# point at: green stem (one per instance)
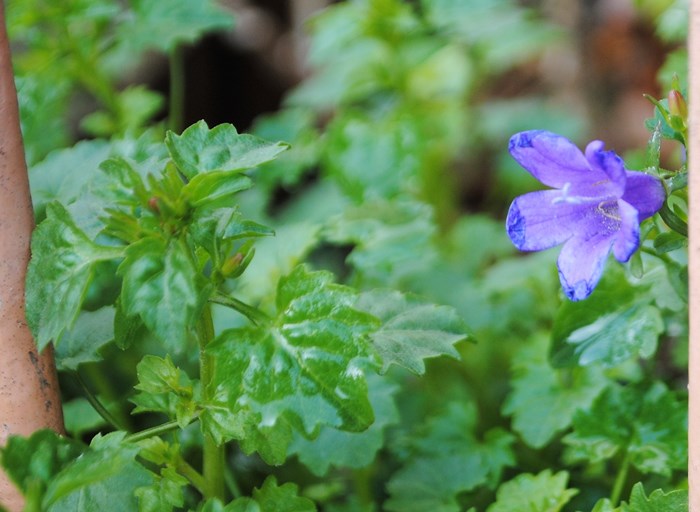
(620, 480)
(254, 314)
(97, 405)
(194, 476)
(153, 431)
(176, 108)
(213, 454)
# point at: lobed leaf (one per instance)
(303, 370)
(165, 388)
(201, 150)
(92, 331)
(618, 323)
(412, 330)
(650, 426)
(104, 475)
(59, 273)
(162, 285)
(658, 500)
(449, 460)
(544, 492)
(543, 400)
(336, 448)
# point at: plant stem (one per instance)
(213, 454)
(194, 476)
(176, 108)
(620, 480)
(153, 431)
(251, 312)
(97, 405)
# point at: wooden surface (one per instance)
(29, 398)
(694, 258)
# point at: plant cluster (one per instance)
(344, 335)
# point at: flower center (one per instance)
(609, 209)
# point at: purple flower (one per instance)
(595, 206)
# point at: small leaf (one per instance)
(281, 498)
(543, 492)
(104, 475)
(164, 494)
(543, 400)
(304, 370)
(164, 388)
(162, 285)
(658, 500)
(449, 460)
(215, 186)
(651, 426)
(92, 330)
(412, 330)
(616, 324)
(201, 150)
(34, 461)
(59, 273)
(670, 241)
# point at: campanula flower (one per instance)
(594, 206)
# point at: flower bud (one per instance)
(677, 105)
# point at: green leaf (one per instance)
(33, 462)
(59, 273)
(66, 173)
(104, 475)
(373, 158)
(92, 331)
(614, 325)
(448, 460)
(543, 400)
(350, 449)
(80, 417)
(658, 500)
(164, 388)
(304, 370)
(670, 241)
(268, 498)
(212, 226)
(393, 240)
(650, 426)
(164, 26)
(215, 186)
(281, 498)
(201, 150)
(412, 330)
(164, 494)
(162, 285)
(543, 492)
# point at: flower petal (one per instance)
(645, 192)
(552, 159)
(627, 239)
(610, 165)
(543, 219)
(581, 263)
(558, 163)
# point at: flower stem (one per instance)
(213, 454)
(620, 480)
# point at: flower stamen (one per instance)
(609, 209)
